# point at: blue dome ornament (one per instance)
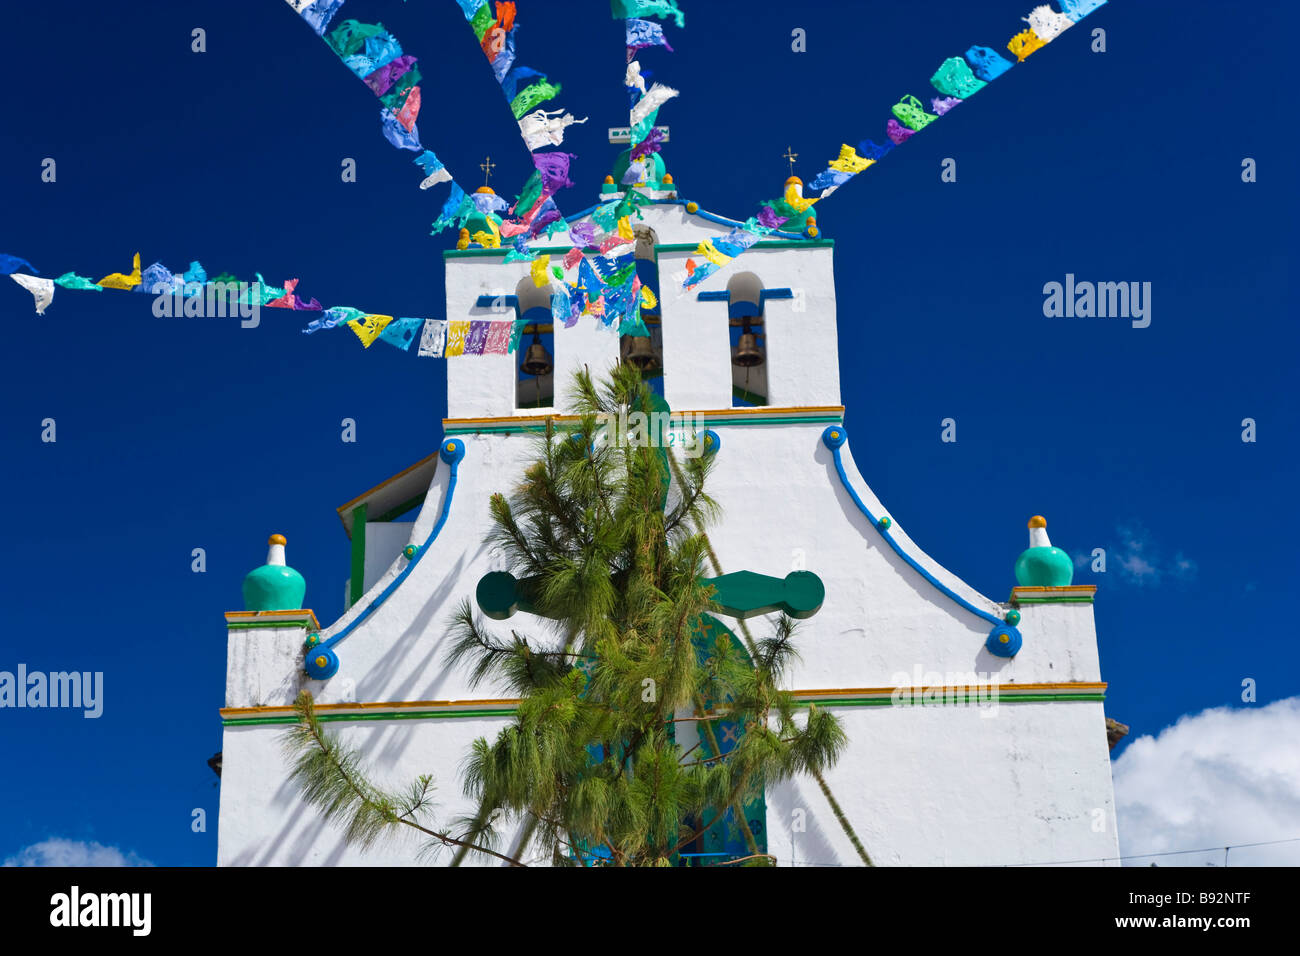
(1004, 641)
(1042, 565)
(320, 663)
(274, 586)
(452, 451)
(834, 436)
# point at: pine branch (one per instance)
(843, 820)
(329, 777)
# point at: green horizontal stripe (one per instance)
(919, 700)
(661, 247)
(417, 715)
(1055, 600)
(769, 244)
(705, 421)
(833, 702)
(253, 624)
(476, 253)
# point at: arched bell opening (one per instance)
(748, 341)
(646, 353)
(535, 371)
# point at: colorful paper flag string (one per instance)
(957, 79)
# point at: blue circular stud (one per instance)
(1012, 617)
(712, 441)
(452, 451)
(1004, 641)
(321, 663)
(885, 523)
(834, 436)
(410, 551)
(312, 639)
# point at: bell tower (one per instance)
(760, 334)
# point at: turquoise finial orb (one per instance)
(274, 586)
(1044, 567)
(1041, 565)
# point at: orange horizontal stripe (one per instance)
(1068, 587)
(374, 705)
(735, 412)
(513, 701)
(289, 617)
(866, 691)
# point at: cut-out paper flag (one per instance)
(42, 290)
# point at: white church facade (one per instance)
(976, 728)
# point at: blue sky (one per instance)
(176, 434)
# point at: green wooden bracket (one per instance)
(746, 594)
(742, 594)
(356, 586)
(500, 594)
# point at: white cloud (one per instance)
(1138, 568)
(57, 851)
(1139, 560)
(1223, 776)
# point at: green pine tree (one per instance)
(612, 551)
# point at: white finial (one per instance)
(275, 554)
(1038, 532)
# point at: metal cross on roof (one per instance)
(487, 166)
(790, 156)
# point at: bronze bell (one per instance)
(537, 361)
(747, 354)
(641, 354)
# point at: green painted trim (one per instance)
(250, 625)
(356, 584)
(1054, 600)
(703, 420)
(399, 510)
(510, 711)
(479, 253)
(761, 420)
(1001, 699)
(417, 715)
(661, 247)
(767, 244)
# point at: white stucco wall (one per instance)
(957, 786)
(384, 542)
